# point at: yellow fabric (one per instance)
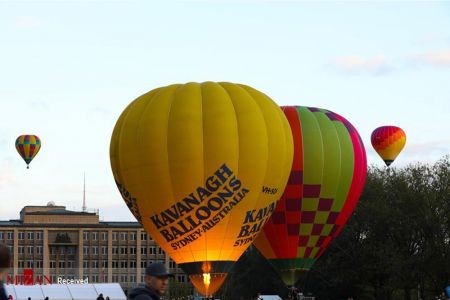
(194, 141)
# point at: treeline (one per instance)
(395, 246)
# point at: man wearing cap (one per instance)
(156, 281)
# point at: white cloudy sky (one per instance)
(68, 69)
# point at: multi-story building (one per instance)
(59, 243)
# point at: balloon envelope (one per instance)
(326, 180)
(201, 166)
(388, 141)
(28, 146)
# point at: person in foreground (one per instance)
(5, 261)
(156, 282)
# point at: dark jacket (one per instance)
(143, 292)
(2, 292)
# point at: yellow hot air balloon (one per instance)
(28, 145)
(201, 166)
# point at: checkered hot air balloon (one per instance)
(28, 146)
(388, 141)
(327, 177)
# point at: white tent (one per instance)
(56, 291)
(23, 292)
(82, 291)
(10, 291)
(66, 291)
(111, 290)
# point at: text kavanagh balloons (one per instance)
(28, 146)
(388, 141)
(201, 166)
(326, 180)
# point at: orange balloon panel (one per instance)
(388, 141)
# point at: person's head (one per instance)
(157, 277)
(101, 295)
(5, 260)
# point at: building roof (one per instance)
(18, 223)
(60, 212)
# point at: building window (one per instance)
(62, 264)
(85, 264)
(52, 250)
(2, 235)
(160, 251)
(123, 236)
(21, 235)
(133, 278)
(152, 250)
(39, 235)
(143, 236)
(115, 278)
(95, 236)
(21, 264)
(39, 250)
(71, 250)
(61, 251)
(114, 236)
(123, 250)
(94, 264)
(123, 278)
(132, 264)
(124, 264)
(70, 264)
(95, 250)
(172, 264)
(133, 236)
(85, 250)
(104, 264)
(52, 264)
(29, 249)
(133, 250)
(115, 264)
(30, 235)
(85, 236)
(29, 264)
(104, 236)
(143, 250)
(115, 250)
(21, 249)
(94, 278)
(105, 250)
(143, 264)
(10, 235)
(181, 278)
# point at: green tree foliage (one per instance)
(395, 246)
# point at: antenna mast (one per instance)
(84, 192)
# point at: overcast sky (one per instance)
(69, 68)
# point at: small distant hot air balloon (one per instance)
(388, 141)
(326, 180)
(202, 166)
(28, 146)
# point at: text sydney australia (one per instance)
(190, 218)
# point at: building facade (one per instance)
(56, 243)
